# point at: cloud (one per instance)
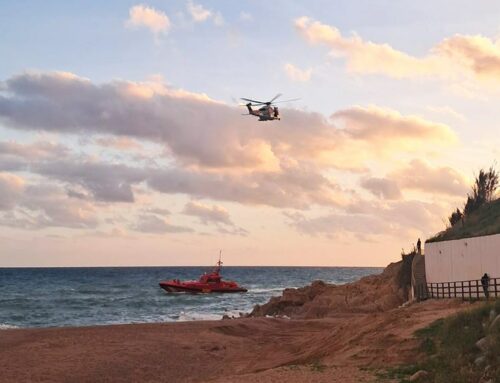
(120, 143)
(214, 215)
(387, 127)
(382, 188)
(365, 56)
(447, 112)
(211, 152)
(40, 205)
(201, 132)
(335, 224)
(158, 211)
(477, 55)
(197, 12)
(143, 16)
(296, 74)
(11, 188)
(293, 187)
(374, 133)
(368, 220)
(151, 223)
(35, 151)
(15, 156)
(208, 214)
(219, 19)
(200, 14)
(106, 182)
(55, 102)
(420, 176)
(246, 16)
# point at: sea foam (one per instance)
(5, 326)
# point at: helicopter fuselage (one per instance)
(265, 113)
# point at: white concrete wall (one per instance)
(462, 259)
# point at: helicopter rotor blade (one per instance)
(293, 99)
(254, 101)
(275, 97)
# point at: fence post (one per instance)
(470, 291)
(495, 287)
(454, 289)
(477, 289)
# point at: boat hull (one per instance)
(196, 288)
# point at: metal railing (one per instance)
(466, 290)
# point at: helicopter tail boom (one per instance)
(249, 107)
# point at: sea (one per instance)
(55, 297)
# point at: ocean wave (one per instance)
(235, 313)
(269, 290)
(5, 326)
(186, 317)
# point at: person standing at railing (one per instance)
(485, 281)
(419, 247)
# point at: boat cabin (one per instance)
(210, 278)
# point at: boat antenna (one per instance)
(219, 264)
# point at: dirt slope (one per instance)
(243, 350)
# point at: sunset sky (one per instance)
(122, 141)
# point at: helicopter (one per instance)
(268, 112)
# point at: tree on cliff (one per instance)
(455, 217)
(483, 191)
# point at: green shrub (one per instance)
(450, 348)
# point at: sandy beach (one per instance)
(345, 347)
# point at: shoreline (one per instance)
(251, 349)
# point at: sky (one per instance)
(122, 141)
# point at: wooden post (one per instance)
(454, 289)
(470, 291)
(495, 287)
(477, 289)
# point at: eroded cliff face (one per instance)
(374, 293)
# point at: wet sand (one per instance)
(347, 347)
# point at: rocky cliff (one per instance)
(374, 293)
